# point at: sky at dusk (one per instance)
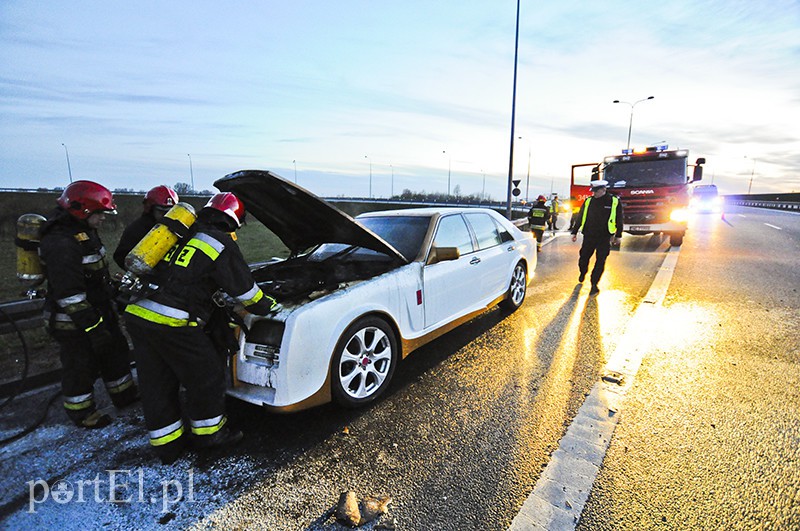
(143, 93)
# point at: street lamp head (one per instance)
(616, 101)
(650, 97)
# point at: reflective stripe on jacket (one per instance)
(76, 268)
(191, 273)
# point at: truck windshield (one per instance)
(635, 174)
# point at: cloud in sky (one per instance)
(415, 86)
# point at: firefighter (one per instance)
(600, 220)
(538, 216)
(552, 222)
(156, 203)
(79, 309)
(172, 348)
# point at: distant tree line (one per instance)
(438, 197)
(407, 195)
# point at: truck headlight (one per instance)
(681, 215)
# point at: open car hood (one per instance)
(299, 218)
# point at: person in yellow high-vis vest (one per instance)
(600, 221)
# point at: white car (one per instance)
(358, 295)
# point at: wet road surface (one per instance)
(709, 432)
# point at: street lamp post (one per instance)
(191, 170)
(630, 122)
(370, 175)
(295, 171)
(69, 168)
(528, 178)
(752, 173)
(513, 114)
(392, 188)
(449, 164)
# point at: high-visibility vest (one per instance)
(612, 219)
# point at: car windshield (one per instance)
(646, 173)
(404, 233)
(706, 191)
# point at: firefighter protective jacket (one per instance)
(78, 286)
(538, 214)
(207, 260)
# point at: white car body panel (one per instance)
(450, 290)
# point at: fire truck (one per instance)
(653, 185)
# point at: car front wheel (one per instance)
(516, 289)
(363, 362)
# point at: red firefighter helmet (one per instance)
(83, 198)
(160, 196)
(541, 198)
(229, 204)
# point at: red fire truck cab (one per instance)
(653, 185)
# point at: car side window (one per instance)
(505, 236)
(485, 230)
(453, 232)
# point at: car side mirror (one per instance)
(443, 254)
(697, 174)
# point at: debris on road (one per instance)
(353, 512)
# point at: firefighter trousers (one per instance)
(170, 357)
(600, 246)
(81, 365)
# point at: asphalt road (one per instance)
(708, 436)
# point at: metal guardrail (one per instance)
(26, 314)
(776, 205)
(15, 317)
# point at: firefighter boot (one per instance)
(94, 421)
(222, 438)
(172, 451)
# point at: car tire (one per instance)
(363, 362)
(676, 239)
(517, 289)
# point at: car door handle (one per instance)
(475, 260)
(511, 248)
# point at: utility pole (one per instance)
(513, 113)
(191, 171)
(69, 168)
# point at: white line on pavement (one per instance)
(563, 488)
(773, 226)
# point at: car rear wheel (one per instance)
(676, 239)
(517, 288)
(364, 362)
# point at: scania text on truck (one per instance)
(653, 185)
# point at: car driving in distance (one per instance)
(358, 295)
(706, 198)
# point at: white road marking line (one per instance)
(773, 226)
(554, 236)
(562, 490)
